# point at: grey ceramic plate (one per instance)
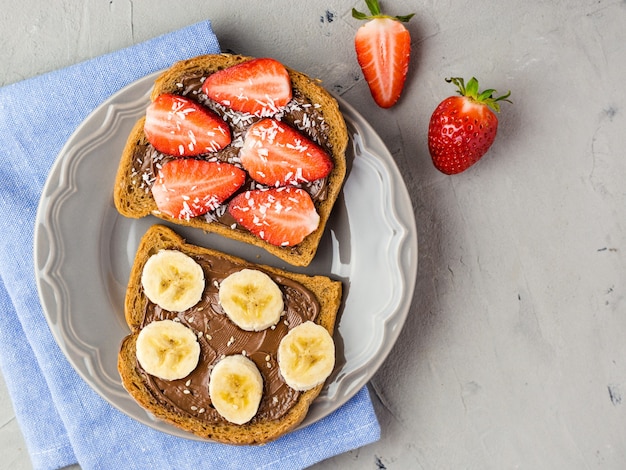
(84, 250)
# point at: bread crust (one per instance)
(134, 202)
(327, 291)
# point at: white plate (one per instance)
(84, 250)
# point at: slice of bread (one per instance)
(328, 293)
(134, 200)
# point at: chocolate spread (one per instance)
(218, 337)
(299, 113)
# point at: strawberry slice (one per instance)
(280, 216)
(383, 49)
(186, 187)
(179, 126)
(275, 154)
(261, 87)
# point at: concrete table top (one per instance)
(513, 354)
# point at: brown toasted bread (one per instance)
(137, 382)
(133, 198)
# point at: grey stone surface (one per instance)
(513, 355)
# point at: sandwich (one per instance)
(244, 147)
(228, 350)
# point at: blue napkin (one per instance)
(62, 419)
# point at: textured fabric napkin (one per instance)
(62, 419)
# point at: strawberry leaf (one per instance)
(471, 90)
(359, 15)
(404, 18)
(374, 7)
(375, 12)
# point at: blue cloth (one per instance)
(62, 419)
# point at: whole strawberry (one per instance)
(463, 128)
(383, 49)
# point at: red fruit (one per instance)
(178, 126)
(187, 187)
(462, 128)
(261, 87)
(275, 154)
(383, 49)
(280, 216)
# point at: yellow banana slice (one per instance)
(251, 299)
(235, 388)
(306, 356)
(167, 349)
(173, 280)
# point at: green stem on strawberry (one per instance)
(471, 91)
(374, 8)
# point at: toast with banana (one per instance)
(228, 350)
(240, 146)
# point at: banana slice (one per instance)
(167, 349)
(235, 388)
(306, 356)
(173, 280)
(251, 299)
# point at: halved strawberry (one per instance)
(275, 154)
(383, 49)
(178, 126)
(261, 87)
(186, 187)
(280, 216)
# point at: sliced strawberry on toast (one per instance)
(280, 216)
(178, 126)
(275, 154)
(186, 187)
(260, 87)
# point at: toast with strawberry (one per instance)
(240, 146)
